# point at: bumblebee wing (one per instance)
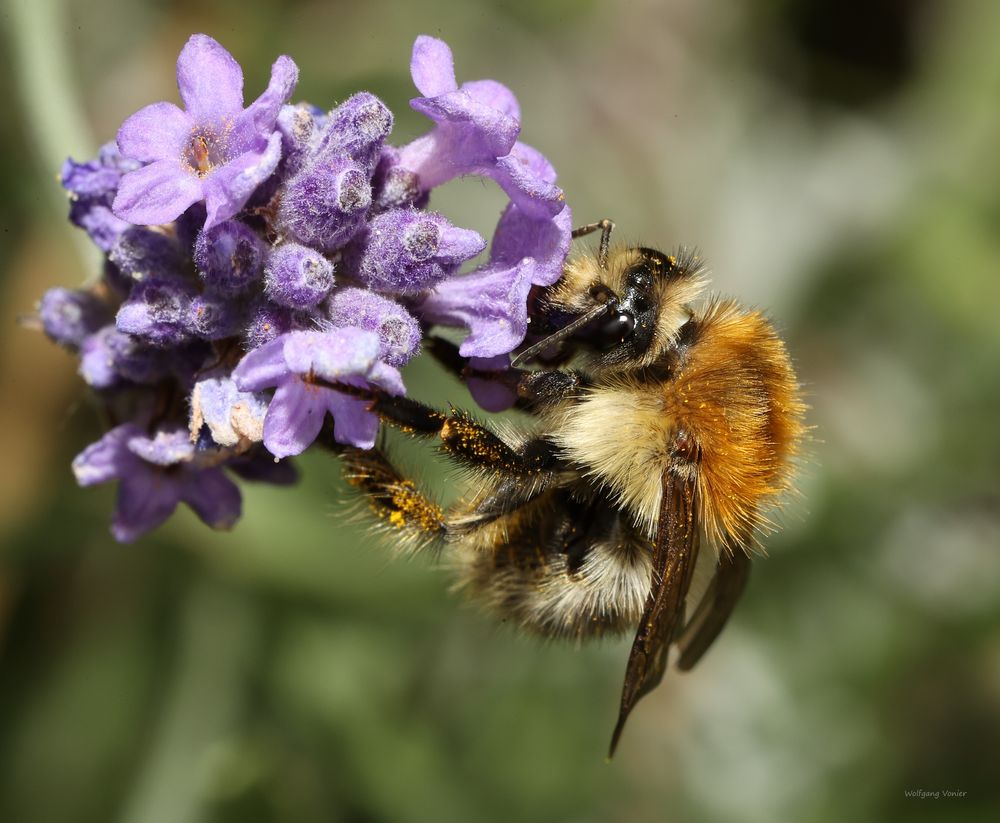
(728, 583)
(674, 553)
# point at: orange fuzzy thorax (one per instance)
(737, 395)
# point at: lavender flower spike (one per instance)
(214, 150)
(156, 473)
(292, 362)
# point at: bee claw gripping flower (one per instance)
(256, 256)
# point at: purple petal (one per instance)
(353, 424)
(493, 94)
(209, 79)
(331, 355)
(213, 496)
(519, 235)
(261, 116)
(260, 467)
(432, 66)
(492, 395)
(525, 176)
(263, 367)
(388, 378)
(294, 418)
(156, 132)
(146, 498)
(458, 245)
(491, 303)
(157, 193)
(108, 458)
(231, 415)
(167, 447)
(476, 131)
(491, 391)
(228, 188)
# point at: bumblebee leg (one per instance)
(606, 226)
(461, 436)
(540, 389)
(535, 389)
(395, 500)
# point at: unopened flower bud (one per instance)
(297, 276)
(230, 257)
(69, 315)
(398, 332)
(325, 203)
(406, 251)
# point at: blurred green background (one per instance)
(835, 163)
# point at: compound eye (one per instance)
(614, 329)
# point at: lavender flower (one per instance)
(214, 150)
(257, 258)
(292, 362)
(492, 302)
(232, 417)
(476, 131)
(156, 473)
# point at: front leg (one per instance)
(461, 436)
(540, 390)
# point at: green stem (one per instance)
(54, 120)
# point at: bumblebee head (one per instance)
(626, 313)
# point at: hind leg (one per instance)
(559, 566)
(412, 519)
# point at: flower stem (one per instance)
(55, 123)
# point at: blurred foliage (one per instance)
(836, 163)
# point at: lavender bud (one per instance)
(398, 332)
(213, 317)
(92, 186)
(394, 187)
(266, 322)
(97, 361)
(108, 356)
(406, 251)
(68, 316)
(229, 256)
(141, 252)
(298, 128)
(357, 128)
(297, 276)
(156, 310)
(188, 226)
(325, 203)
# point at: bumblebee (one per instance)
(662, 425)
